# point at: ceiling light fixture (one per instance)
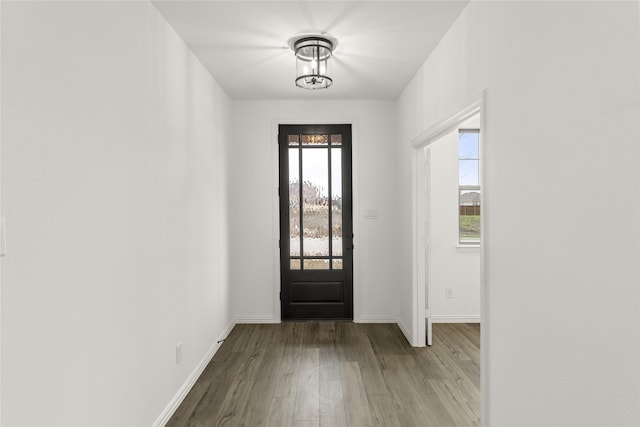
(312, 60)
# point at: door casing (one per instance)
(316, 284)
(421, 315)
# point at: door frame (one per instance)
(275, 203)
(421, 226)
(317, 284)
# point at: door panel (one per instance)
(316, 231)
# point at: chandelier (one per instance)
(312, 60)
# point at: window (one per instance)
(469, 186)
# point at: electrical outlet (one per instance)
(178, 353)
(448, 292)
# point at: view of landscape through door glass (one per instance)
(316, 239)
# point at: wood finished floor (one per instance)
(337, 374)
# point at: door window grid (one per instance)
(306, 196)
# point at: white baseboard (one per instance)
(372, 318)
(446, 318)
(256, 319)
(168, 412)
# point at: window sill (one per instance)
(468, 248)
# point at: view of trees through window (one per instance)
(469, 186)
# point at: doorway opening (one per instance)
(316, 222)
(453, 213)
(469, 236)
(465, 226)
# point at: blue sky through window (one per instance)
(468, 154)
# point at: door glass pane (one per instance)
(336, 139)
(336, 200)
(294, 264)
(294, 202)
(337, 264)
(315, 211)
(294, 140)
(315, 140)
(316, 264)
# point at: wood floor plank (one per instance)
(353, 329)
(258, 403)
(232, 410)
(394, 362)
(471, 370)
(344, 345)
(453, 348)
(387, 338)
(454, 402)
(308, 392)
(240, 339)
(383, 411)
(286, 384)
(192, 401)
(465, 341)
(287, 378)
(453, 371)
(458, 344)
(429, 367)
(433, 408)
(281, 412)
(331, 404)
(369, 366)
(475, 407)
(431, 411)
(471, 331)
(408, 410)
(202, 403)
(356, 404)
(306, 423)
(329, 359)
(258, 337)
(311, 334)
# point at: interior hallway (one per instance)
(338, 374)
(139, 193)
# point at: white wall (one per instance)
(561, 326)
(253, 202)
(451, 266)
(114, 190)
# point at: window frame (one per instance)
(474, 242)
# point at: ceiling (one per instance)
(244, 44)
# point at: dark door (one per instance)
(316, 231)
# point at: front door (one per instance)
(316, 226)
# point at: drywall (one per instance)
(561, 314)
(253, 200)
(114, 191)
(561, 128)
(451, 266)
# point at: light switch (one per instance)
(371, 214)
